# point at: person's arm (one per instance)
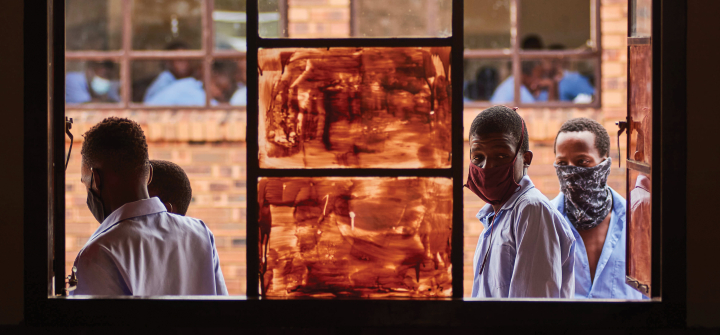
(539, 260)
(98, 273)
(220, 288)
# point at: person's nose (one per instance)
(490, 163)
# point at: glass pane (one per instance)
(92, 82)
(641, 18)
(166, 24)
(371, 18)
(159, 82)
(180, 83)
(337, 237)
(558, 79)
(230, 21)
(555, 24)
(640, 97)
(93, 25)
(354, 107)
(379, 18)
(487, 24)
(483, 76)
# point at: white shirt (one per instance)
(532, 253)
(141, 249)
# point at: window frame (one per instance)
(44, 211)
(516, 56)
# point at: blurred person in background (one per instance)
(174, 69)
(171, 185)
(189, 91)
(239, 97)
(95, 84)
(595, 211)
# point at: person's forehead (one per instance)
(493, 138)
(577, 137)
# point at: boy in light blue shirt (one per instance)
(595, 211)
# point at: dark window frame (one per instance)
(44, 211)
(516, 56)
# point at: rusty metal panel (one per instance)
(355, 237)
(639, 236)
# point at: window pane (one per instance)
(371, 18)
(163, 24)
(380, 18)
(641, 18)
(92, 82)
(487, 24)
(569, 80)
(483, 76)
(555, 24)
(170, 82)
(93, 25)
(354, 107)
(337, 237)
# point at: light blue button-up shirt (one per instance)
(164, 79)
(609, 281)
(532, 253)
(183, 92)
(140, 249)
(506, 91)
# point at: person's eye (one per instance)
(561, 163)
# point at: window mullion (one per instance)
(514, 33)
(207, 48)
(126, 47)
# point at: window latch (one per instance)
(68, 126)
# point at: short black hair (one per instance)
(602, 139)
(532, 42)
(501, 119)
(119, 144)
(171, 184)
(177, 45)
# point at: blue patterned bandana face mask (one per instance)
(588, 199)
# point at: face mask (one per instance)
(588, 199)
(495, 185)
(94, 203)
(100, 85)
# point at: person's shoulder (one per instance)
(557, 202)
(533, 198)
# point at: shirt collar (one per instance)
(525, 185)
(131, 210)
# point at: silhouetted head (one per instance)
(171, 185)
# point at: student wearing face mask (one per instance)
(526, 249)
(92, 85)
(139, 249)
(595, 211)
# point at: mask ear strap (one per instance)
(522, 137)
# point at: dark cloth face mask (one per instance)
(588, 199)
(94, 203)
(495, 185)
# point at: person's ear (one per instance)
(527, 158)
(168, 206)
(150, 175)
(96, 179)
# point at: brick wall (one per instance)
(210, 145)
